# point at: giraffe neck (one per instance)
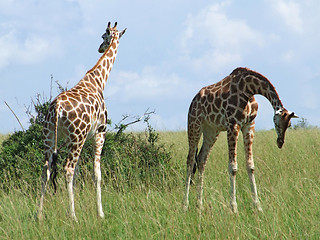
(98, 75)
(255, 83)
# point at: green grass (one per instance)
(288, 185)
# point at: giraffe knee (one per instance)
(46, 170)
(233, 168)
(250, 170)
(69, 173)
(201, 165)
(192, 163)
(250, 167)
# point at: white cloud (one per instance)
(151, 83)
(32, 49)
(31, 32)
(224, 40)
(290, 12)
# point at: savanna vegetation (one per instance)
(143, 187)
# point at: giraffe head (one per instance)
(110, 33)
(282, 121)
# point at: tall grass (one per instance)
(288, 185)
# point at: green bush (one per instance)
(21, 158)
(127, 158)
(130, 157)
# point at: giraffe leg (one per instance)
(97, 171)
(209, 138)
(233, 133)
(69, 179)
(45, 178)
(46, 171)
(194, 135)
(248, 134)
(71, 163)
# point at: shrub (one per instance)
(127, 158)
(21, 156)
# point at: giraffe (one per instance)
(229, 105)
(79, 114)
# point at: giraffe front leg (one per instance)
(100, 137)
(233, 133)
(233, 198)
(71, 163)
(256, 202)
(248, 135)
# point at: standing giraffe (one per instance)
(229, 105)
(78, 114)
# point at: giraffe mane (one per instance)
(244, 70)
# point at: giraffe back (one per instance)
(222, 103)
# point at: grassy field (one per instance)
(288, 185)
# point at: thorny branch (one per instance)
(122, 126)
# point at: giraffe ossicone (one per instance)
(229, 105)
(77, 114)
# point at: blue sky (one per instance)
(170, 50)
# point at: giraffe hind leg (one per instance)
(209, 138)
(195, 166)
(46, 172)
(191, 161)
(72, 160)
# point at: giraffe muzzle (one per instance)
(280, 142)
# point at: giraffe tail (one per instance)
(195, 166)
(54, 171)
(55, 152)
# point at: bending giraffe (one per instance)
(78, 114)
(229, 105)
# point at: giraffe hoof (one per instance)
(101, 215)
(38, 217)
(185, 206)
(200, 206)
(234, 207)
(258, 207)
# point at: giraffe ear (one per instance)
(122, 32)
(293, 115)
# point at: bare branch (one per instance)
(122, 126)
(14, 115)
(51, 87)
